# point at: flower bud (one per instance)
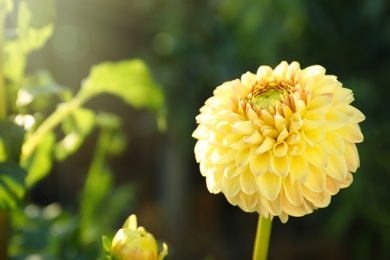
(132, 242)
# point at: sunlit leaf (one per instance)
(12, 186)
(14, 60)
(76, 127)
(39, 163)
(130, 80)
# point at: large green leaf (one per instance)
(76, 127)
(12, 185)
(130, 80)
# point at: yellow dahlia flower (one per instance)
(280, 142)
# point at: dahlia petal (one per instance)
(261, 209)
(214, 182)
(251, 114)
(318, 199)
(283, 217)
(335, 120)
(351, 133)
(337, 167)
(231, 186)
(222, 155)
(280, 122)
(276, 205)
(247, 181)
(243, 127)
(224, 127)
(352, 157)
(295, 122)
(317, 155)
(345, 183)
(255, 138)
(231, 171)
(243, 156)
(293, 192)
(313, 119)
(297, 149)
(295, 210)
(294, 137)
(259, 163)
(334, 144)
(248, 201)
(319, 102)
(201, 132)
(280, 149)
(267, 205)
(269, 185)
(203, 168)
(354, 115)
(234, 141)
(202, 150)
(280, 165)
(315, 179)
(299, 169)
(267, 145)
(283, 134)
(267, 118)
(314, 136)
(332, 186)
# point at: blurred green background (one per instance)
(192, 47)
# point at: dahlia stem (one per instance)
(263, 234)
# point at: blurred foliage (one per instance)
(36, 108)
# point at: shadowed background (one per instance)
(192, 47)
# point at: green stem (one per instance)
(263, 234)
(48, 125)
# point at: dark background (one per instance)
(192, 47)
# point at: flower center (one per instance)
(267, 96)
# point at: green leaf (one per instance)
(76, 127)
(130, 80)
(12, 137)
(12, 185)
(40, 85)
(43, 12)
(40, 162)
(106, 244)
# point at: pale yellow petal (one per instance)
(280, 149)
(317, 155)
(337, 167)
(243, 127)
(280, 165)
(352, 157)
(247, 181)
(233, 141)
(248, 201)
(255, 138)
(334, 144)
(214, 182)
(313, 119)
(269, 185)
(314, 136)
(293, 192)
(316, 179)
(320, 102)
(259, 163)
(267, 145)
(335, 120)
(231, 186)
(295, 210)
(351, 133)
(299, 169)
(222, 155)
(345, 183)
(243, 156)
(332, 186)
(318, 199)
(231, 171)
